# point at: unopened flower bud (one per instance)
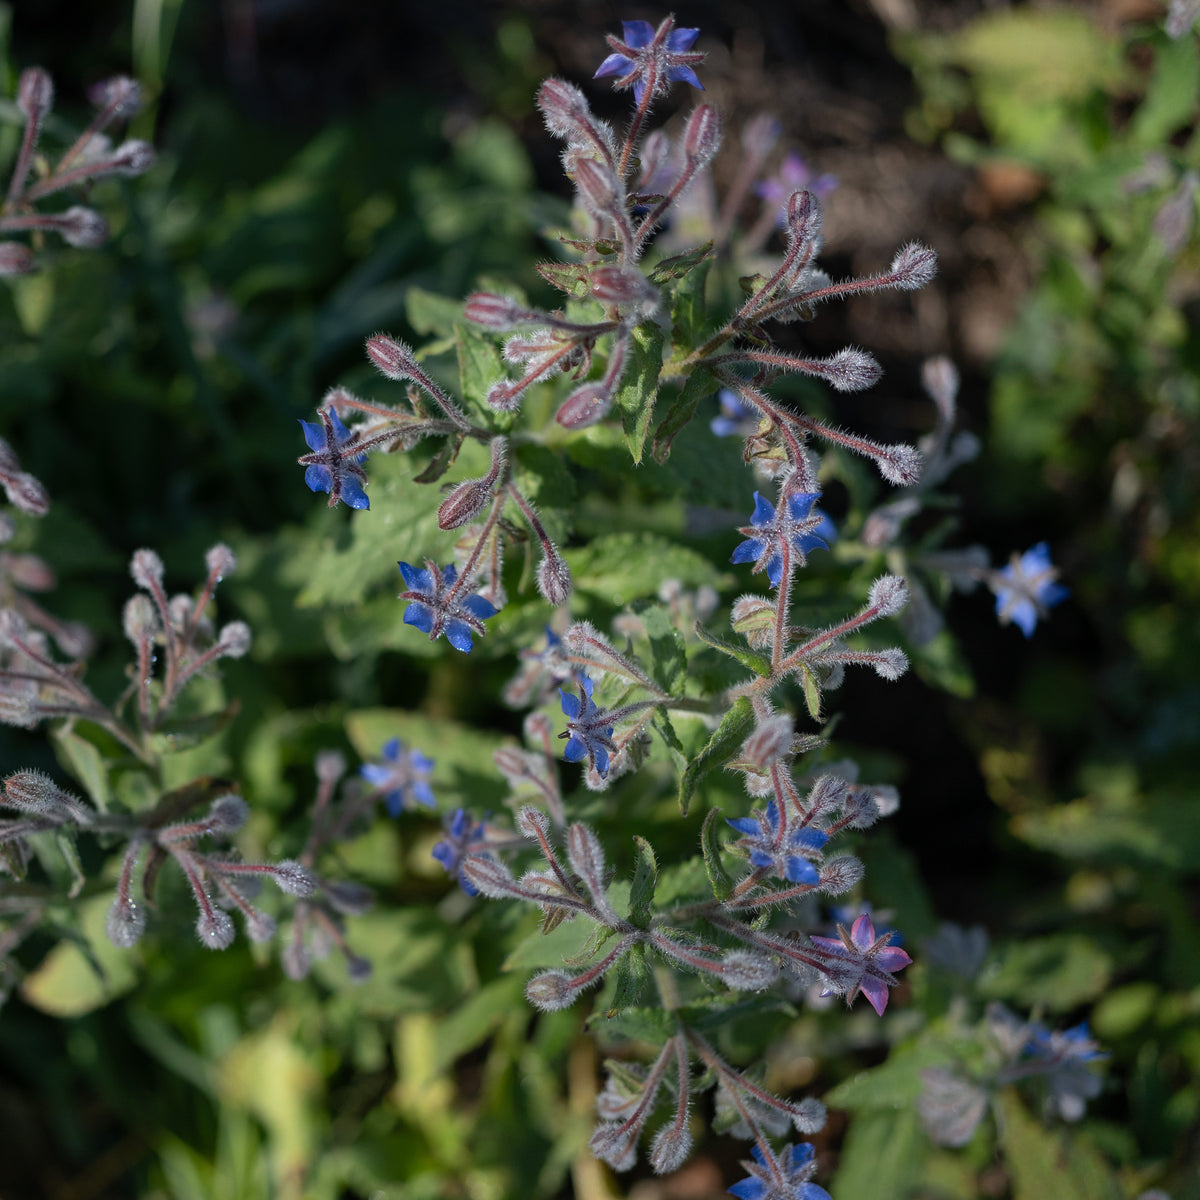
(890, 664)
(19, 708)
(296, 961)
(26, 492)
(852, 370)
(503, 397)
(147, 569)
(616, 1145)
(585, 406)
(464, 502)
(227, 814)
(498, 313)
(889, 594)
(37, 794)
(940, 377)
(15, 258)
(234, 639)
(259, 927)
(139, 619)
(840, 875)
(748, 972)
(913, 267)
(670, 1148)
(532, 821)
(551, 991)
(564, 107)
(29, 572)
(754, 618)
(554, 578)
(760, 135)
(133, 157)
(293, 878)
(393, 359)
(655, 151)
(803, 217)
(125, 923)
(75, 639)
(121, 94)
(13, 628)
(488, 876)
(215, 929)
(330, 766)
(350, 899)
(702, 135)
(827, 794)
(615, 285)
(809, 1116)
(770, 742)
(35, 94)
(597, 186)
(900, 464)
(220, 561)
(81, 227)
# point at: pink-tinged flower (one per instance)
(793, 176)
(858, 961)
(652, 57)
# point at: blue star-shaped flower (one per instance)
(589, 731)
(1026, 589)
(786, 1179)
(436, 605)
(802, 526)
(777, 850)
(334, 466)
(401, 778)
(464, 835)
(645, 51)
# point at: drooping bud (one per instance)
(616, 1145)
(220, 561)
(35, 95)
(13, 628)
(900, 464)
(747, 971)
(852, 370)
(133, 157)
(125, 923)
(554, 577)
(215, 929)
(139, 619)
(564, 107)
(330, 766)
(615, 285)
(809, 1116)
(227, 814)
(498, 313)
(393, 359)
(889, 594)
(467, 500)
(38, 795)
(702, 135)
(550, 991)
(913, 267)
(234, 639)
(25, 491)
(585, 406)
(827, 794)
(840, 875)
(586, 856)
(770, 742)
(670, 1148)
(147, 569)
(890, 664)
(296, 961)
(532, 821)
(15, 258)
(259, 927)
(81, 227)
(120, 94)
(293, 878)
(597, 186)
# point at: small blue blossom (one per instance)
(805, 528)
(793, 176)
(1026, 588)
(777, 850)
(736, 417)
(401, 779)
(435, 606)
(589, 732)
(1060, 1057)
(645, 51)
(334, 466)
(464, 836)
(785, 1177)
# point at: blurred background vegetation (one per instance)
(324, 169)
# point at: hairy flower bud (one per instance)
(670, 1148)
(840, 875)
(616, 285)
(220, 561)
(13, 628)
(498, 313)
(227, 814)
(554, 578)
(330, 766)
(139, 619)
(770, 742)
(900, 464)
(358, 969)
(37, 794)
(804, 217)
(133, 157)
(616, 1145)
(349, 898)
(550, 991)
(597, 186)
(147, 569)
(15, 258)
(563, 106)
(747, 971)
(125, 923)
(464, 502)
(35, 95)
(585, 406)
(890, 664)
(809, 1116)
(26, 492)
(81, 227)
(889, 594)
(393, 359)
(120, 94)
(259, 927)
(293, 878)
(532, 821)
(296, 961)
(702, 135)
(852, 370)
(234, 639)
(913, 267)
(215, 929)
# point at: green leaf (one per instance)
(632, 978)
(642, 1024)
(1172, 96)
(882, 1157)
(710, 844)
(1051, 1162)
(725, 742)
(86, 764)
(812, 692)
(700, 384)
(616, 568)
(678, 266)
(429, 313)
(645, 878)
(758, 663)
(479, 364)
(1059, 973)
(668, 654)
(688, 310)
(472, 1022)
(441, 462)
(894, 1084)
(573, 278)
(639, 385)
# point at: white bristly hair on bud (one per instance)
(585, 406)
(839, 875)
(15, 258)
(852, 370)
(259, 926)
(12, 627)
(234, 639)
(809, 1116)
(125, 923)
(900, 464)
(615, 1145)
(828, 793)
(293, 878)
(227, 814)
(670, 1148)
(748, 972)
(913, 267)
(147, 569)
(35, 94)
(81, 227)
(329, 765)
(531, 821)
(133, 157)
(296, 961)
(220, 560)
(890, 664)
(889, 594)
(215, 929)
(554, 578)
(550, 991)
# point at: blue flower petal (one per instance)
(601, 756)
(764, 511)
(391, 749)
(800, 504)
(477, 606)
(748, 551)
(614, 64)
(576, 750)
(800, 870)
(680, 40)
(420, 615)
(749, 1189)
(317, 478)
(314, 436)
(685, 74)
(423, 794)
(375, 774)
(570, 704)
(353, 494)
(746, 825)
(775, 570)
(637, 34)
(458, 634)
(418, 579)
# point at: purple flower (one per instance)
(649, 56)
(1026, 589)
(401, 779)
(334, 464)
(464, 835)
(589, 732)
(777, 849)
(784, 1177)
(798, 523)
(436, 605)
(736, 417)
(793, 176)
(858, 961)
(1060, 1057)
